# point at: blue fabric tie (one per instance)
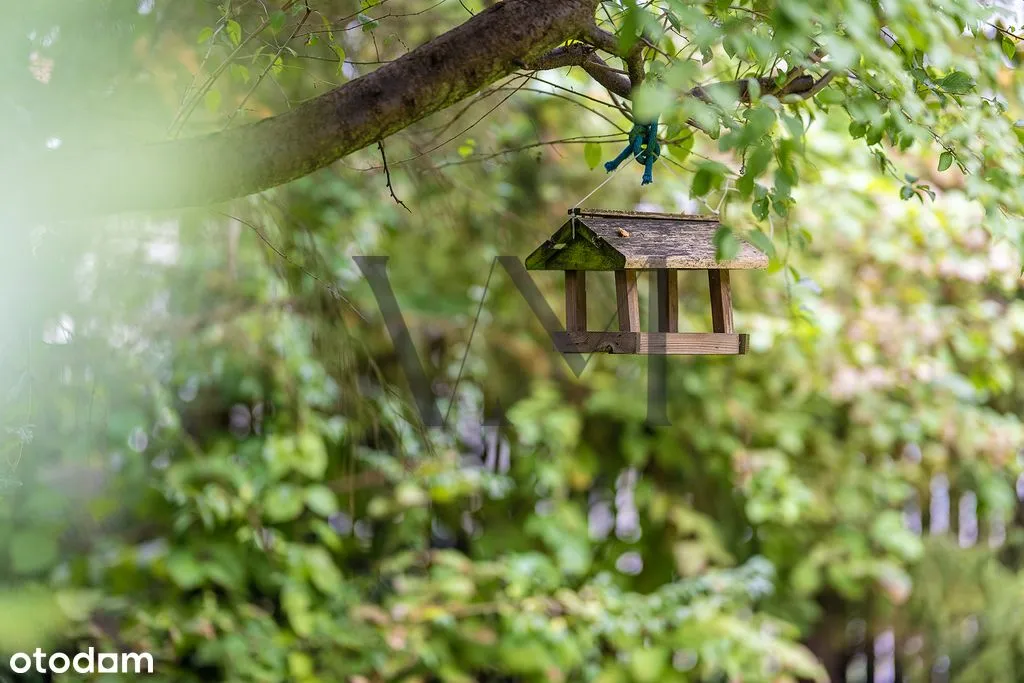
(643, 146)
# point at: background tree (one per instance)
(210, 449)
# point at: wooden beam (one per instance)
(576, 300)
(628, 300)
(721, 301)
(652, 343)
(604, 213)
(668, 300)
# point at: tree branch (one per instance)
(387, 176)
(574, 54)
(633, 58)
(582, 54)
(613, 81)
(247, 159)
(804, 86)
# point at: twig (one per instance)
(334, 291)
(270, 66)
(387, 175)
(186, 110)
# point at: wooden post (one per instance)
(721, 301)
(576, 300)
(668, 300)
(628, 301)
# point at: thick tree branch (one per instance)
(609, 42)
(612, 80)
(804, 86)
(247, 159)
(582, 54)
(574, 54)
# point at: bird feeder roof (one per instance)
(624, 240)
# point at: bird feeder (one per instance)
(628, 242)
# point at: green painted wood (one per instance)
(575, 249)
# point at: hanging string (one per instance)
(599, 186)
(715, 210)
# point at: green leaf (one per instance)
(204, 35)
(408, 495)
(651, 99)
(240, 72)
(726, 244)
(945, 161)
(647, 664)
(300, 666)
(277, 20)
(841, 52)
(701, 183)
(323, 573)
(957, 83)
(830, 95)
(321, 500)
(1009, 48)
(312, 455)
(592, 154)
(283, 503)
(212, 101)
(185, 570)
(799, 660)
(906, 192)
(296, 604)
(875, 133)
(368, 24)
(795, 126)
(761, 240)
(682, 150)
(758, 159)
(760, 208)
(340, 51)
(234, 30)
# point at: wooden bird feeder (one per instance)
(627, 242)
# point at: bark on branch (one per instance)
(247, 159)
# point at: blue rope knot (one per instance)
(644, 146)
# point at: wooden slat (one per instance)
(691, 344)
(602, 342)
(668, 300)
(721, 301)
(576, 300)
(608, 213)
(745, 261)
(628, 300)
(647, 343)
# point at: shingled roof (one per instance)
(612, 240)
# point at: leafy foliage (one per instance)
(212, 454)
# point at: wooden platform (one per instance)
(653, 343)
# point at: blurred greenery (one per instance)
(211, 452)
